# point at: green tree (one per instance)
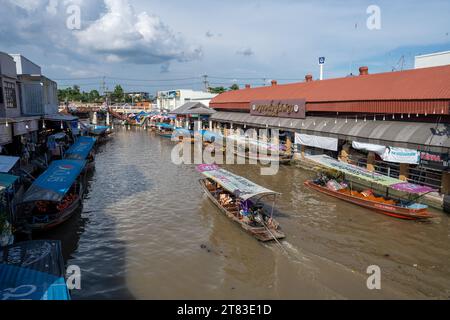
(217, 89)
(118, 94)
(94, 96)
(234, 87)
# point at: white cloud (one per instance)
(124, 35)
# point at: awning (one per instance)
(60, 117)
(33, 270)
(98, 130)
(239, 186)
(7, 163)
(372, 177)
(7, 180)
(404, 134)
(165, 126)
(81, 148)
(54, 183)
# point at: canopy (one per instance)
(7, 163)
(7, 180)
(165, 126)
(60, 117)
(33, 270)
(54, 183)
(98, 130)
(369, 176)
(81, 148)
(239, 186)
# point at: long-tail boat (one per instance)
(165, 130)
(333, 183)
(83, 149)
(239, 200)
(33, 270)
(54, 196)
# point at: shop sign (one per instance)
(435, 160)
(287, 108)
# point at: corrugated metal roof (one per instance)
(193, 108)
(421, 84)
(414, 135)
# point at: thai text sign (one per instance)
(287, 108)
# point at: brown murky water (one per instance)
(148, 232)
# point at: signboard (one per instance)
(435, 160)
(401, 155)
(287, 108)
(322, 60)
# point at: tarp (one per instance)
(33, 270)
(54, 183)
(239, 186)
(165, 126)
(98, 130)
(369, 147)
(7, 163)
(354, 171)
(60, 117)
(369, 176)
(316, 141)
(412, 188)
(7, 180)
(81, 148)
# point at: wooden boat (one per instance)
(83, 149)
(54, 196)
(165, 130)
(243, 195)
(388, 207)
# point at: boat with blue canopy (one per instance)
(54, 196)
(239, 200)
(33, 270)
(165, 130)
(83, 149)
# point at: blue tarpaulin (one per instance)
(54, 183)
(81, 148)
(7, 180)
(33, 270)
(165, 126)
(98, 130)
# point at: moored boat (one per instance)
(54, 196)
(403, 210)
(332, 182)
(165, 130)
(83, 149)
(240, 201)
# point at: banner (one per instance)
(401, 155)
(369, 147)
(316, 141)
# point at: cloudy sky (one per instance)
(252, 41)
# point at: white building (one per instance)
(173, 99)
(39, 94)
(432, 60)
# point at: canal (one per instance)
(147, 232)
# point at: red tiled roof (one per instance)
(420, 85)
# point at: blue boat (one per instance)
(165, 130)
(83, 149)
(33, 270)
(54, 196)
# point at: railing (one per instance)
(416, 174)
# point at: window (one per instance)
(10, 95)
(1, 94)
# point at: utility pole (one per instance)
(205, 82)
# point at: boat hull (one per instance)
(260, 233)
(63, 217)
(282, 159)
(386, 209)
